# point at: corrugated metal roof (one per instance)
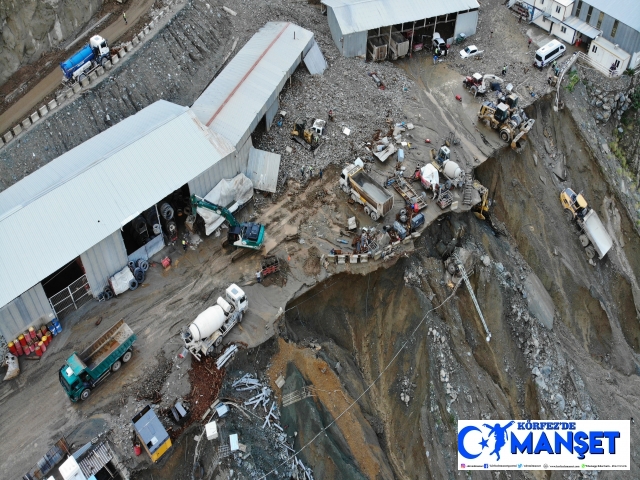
(111, 140)
(95, 460)
(262, 169)
(150, 430)
(237, 99)
(363, 15)
(314, 60)
(581, 26)
(98, 185)
(625, 11)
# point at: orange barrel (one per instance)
(39, 334)
(38, 351)
(16, 344)
(46, 339)
(22, 340)
(28, 339)
(12, 349)
(42, 346)
(32, 332)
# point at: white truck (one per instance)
(206, 332)
(595, 238)
(355, 182)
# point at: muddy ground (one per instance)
(584, 366)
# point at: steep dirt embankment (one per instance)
(175, 66)
(32, 27)
(584, 367)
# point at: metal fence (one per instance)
(48, 462)
(75, 295)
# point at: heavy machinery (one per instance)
(206, 332)
(243, 235)
(481, 209)
(355, 182)
(83, 372)
(95, 53)
(594, 237)
(441, 155)
(306, 137)
(479, 84)
(510, 123)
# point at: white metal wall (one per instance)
(271, 113)
(29, 309)
(228, 167)
(103, 260)
(466, 23)
(352, 45)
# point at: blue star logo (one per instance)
(484, 443)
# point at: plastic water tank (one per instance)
(207, 322)
(359, 162)
(451, 169)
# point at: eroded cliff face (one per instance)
(32, 27)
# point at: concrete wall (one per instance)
(626, 37)
(103, 260)
(29, 309)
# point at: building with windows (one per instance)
(611, 28)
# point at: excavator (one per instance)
(246, 235)
(505, 118)
(482, 208)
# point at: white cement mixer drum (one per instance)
(207, 322)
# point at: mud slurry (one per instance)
(584, 367)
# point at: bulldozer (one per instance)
(304, 136)
(510, 123)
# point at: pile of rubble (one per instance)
(359, 106)
(257, 422)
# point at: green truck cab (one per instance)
(83, 372)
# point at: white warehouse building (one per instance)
(358, 25)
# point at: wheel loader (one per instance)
(511, 125)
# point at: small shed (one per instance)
(152, 435)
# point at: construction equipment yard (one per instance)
(358, 351)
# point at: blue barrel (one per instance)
(56, 323)
(52, 328)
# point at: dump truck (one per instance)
(355, 182)
(594, 237)
(206, 332)
(83, 372)
(95, 53)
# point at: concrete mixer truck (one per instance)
(206, 332)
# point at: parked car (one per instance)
(470, 51)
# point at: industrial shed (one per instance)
(360, 26)
(252, 82)
(65, 223)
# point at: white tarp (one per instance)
(120, 281)
(429, 176)
(232, 194)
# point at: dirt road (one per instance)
(32, 99)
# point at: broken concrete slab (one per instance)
(539, 301)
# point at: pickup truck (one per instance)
(83, 372)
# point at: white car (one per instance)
(470, 51)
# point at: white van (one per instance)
(548, 53)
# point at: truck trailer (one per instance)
(355, 182)
(83, 372)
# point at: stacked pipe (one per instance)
(35, 340)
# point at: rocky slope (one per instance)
(584, 367)
(32, 27)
